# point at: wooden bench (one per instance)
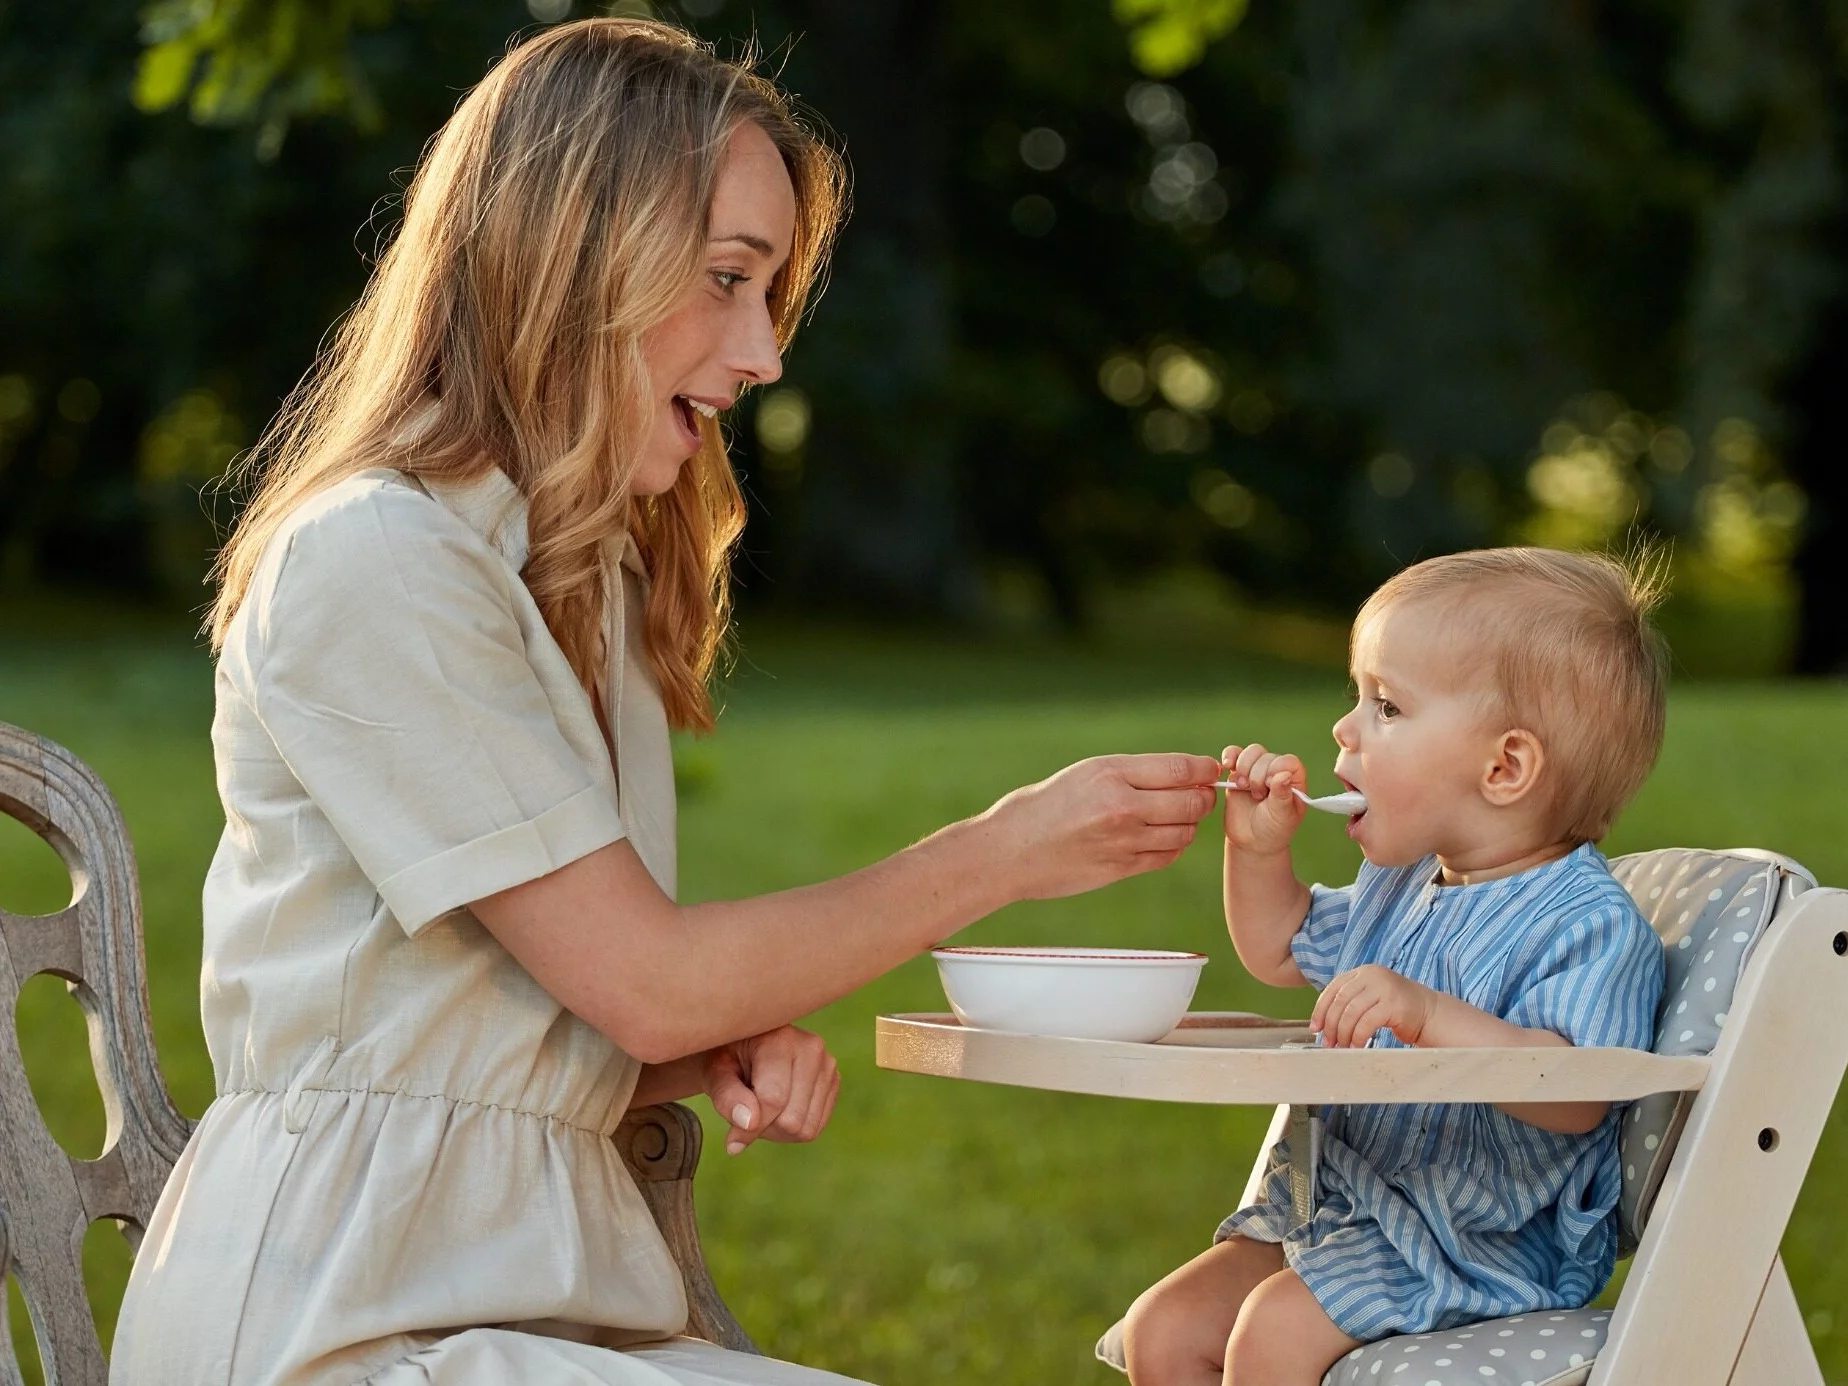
(48, 1199)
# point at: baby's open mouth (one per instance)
(1352, 788)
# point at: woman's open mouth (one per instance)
(687, 413)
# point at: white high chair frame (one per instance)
(1707, 1301)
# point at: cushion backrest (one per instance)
(1710, 909)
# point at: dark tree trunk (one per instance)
(1818, 462)
(877, 520)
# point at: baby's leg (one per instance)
(1283, 1337)
(1175, 1333)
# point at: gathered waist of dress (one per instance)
(571, 1120)
(595, 1108)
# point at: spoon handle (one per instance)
(1349, 803)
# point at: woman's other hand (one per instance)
(1261, 813)
(779, 1086)
(1100, 820)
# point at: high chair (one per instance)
(1757, 983)
(49, 1199)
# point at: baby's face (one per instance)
(1417, 740)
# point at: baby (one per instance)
(1509, 702)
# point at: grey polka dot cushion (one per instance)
(1554, 1349)
(1710, 909)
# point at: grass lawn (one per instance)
(939, 1232)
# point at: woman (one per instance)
(484, 573)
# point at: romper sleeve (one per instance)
(391, 672)
(1316, 945)
(1596, 980)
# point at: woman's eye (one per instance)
(729, 279)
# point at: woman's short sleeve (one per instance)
(390, 669)
(1596, 980)
(1316, 946)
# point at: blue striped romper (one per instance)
(1432, 1216)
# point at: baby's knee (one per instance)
(1282, 1337)
(1162, 1339)
(1259, 1350)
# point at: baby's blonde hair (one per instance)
(1573, 656)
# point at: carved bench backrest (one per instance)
(48, 1199)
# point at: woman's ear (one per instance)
(1515, 768)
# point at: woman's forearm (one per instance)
(666, 981)
(669, 1082)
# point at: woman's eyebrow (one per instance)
(757, 243)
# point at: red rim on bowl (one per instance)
(1083, 955)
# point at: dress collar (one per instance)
(493, 507)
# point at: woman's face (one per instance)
(720, 338)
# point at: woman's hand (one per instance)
(1261, 813)
(1368, 999)
(1100, 820)
(780, 1085)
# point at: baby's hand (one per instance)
(1368, 999)
(1261, 813)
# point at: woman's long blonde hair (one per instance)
(558, 215)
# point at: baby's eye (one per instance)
(1387, 708)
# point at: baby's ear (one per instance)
(1514, 768)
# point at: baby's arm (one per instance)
(1370, 998)
(1265, 903)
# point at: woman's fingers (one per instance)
(821, 1102)
(1170, 838)
(1165, 771)
(732, 1097)
(793, 1081)
(1165, 806)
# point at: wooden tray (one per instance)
(1234, 1057)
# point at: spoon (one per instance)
(1347, 804)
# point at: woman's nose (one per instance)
(755, 353)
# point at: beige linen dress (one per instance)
(407, 1175)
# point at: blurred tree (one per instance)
(1355, 284)
(161, 286)
(1766, 84)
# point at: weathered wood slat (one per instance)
(661, 1146)
(45, 942)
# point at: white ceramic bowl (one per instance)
(1082, 993)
